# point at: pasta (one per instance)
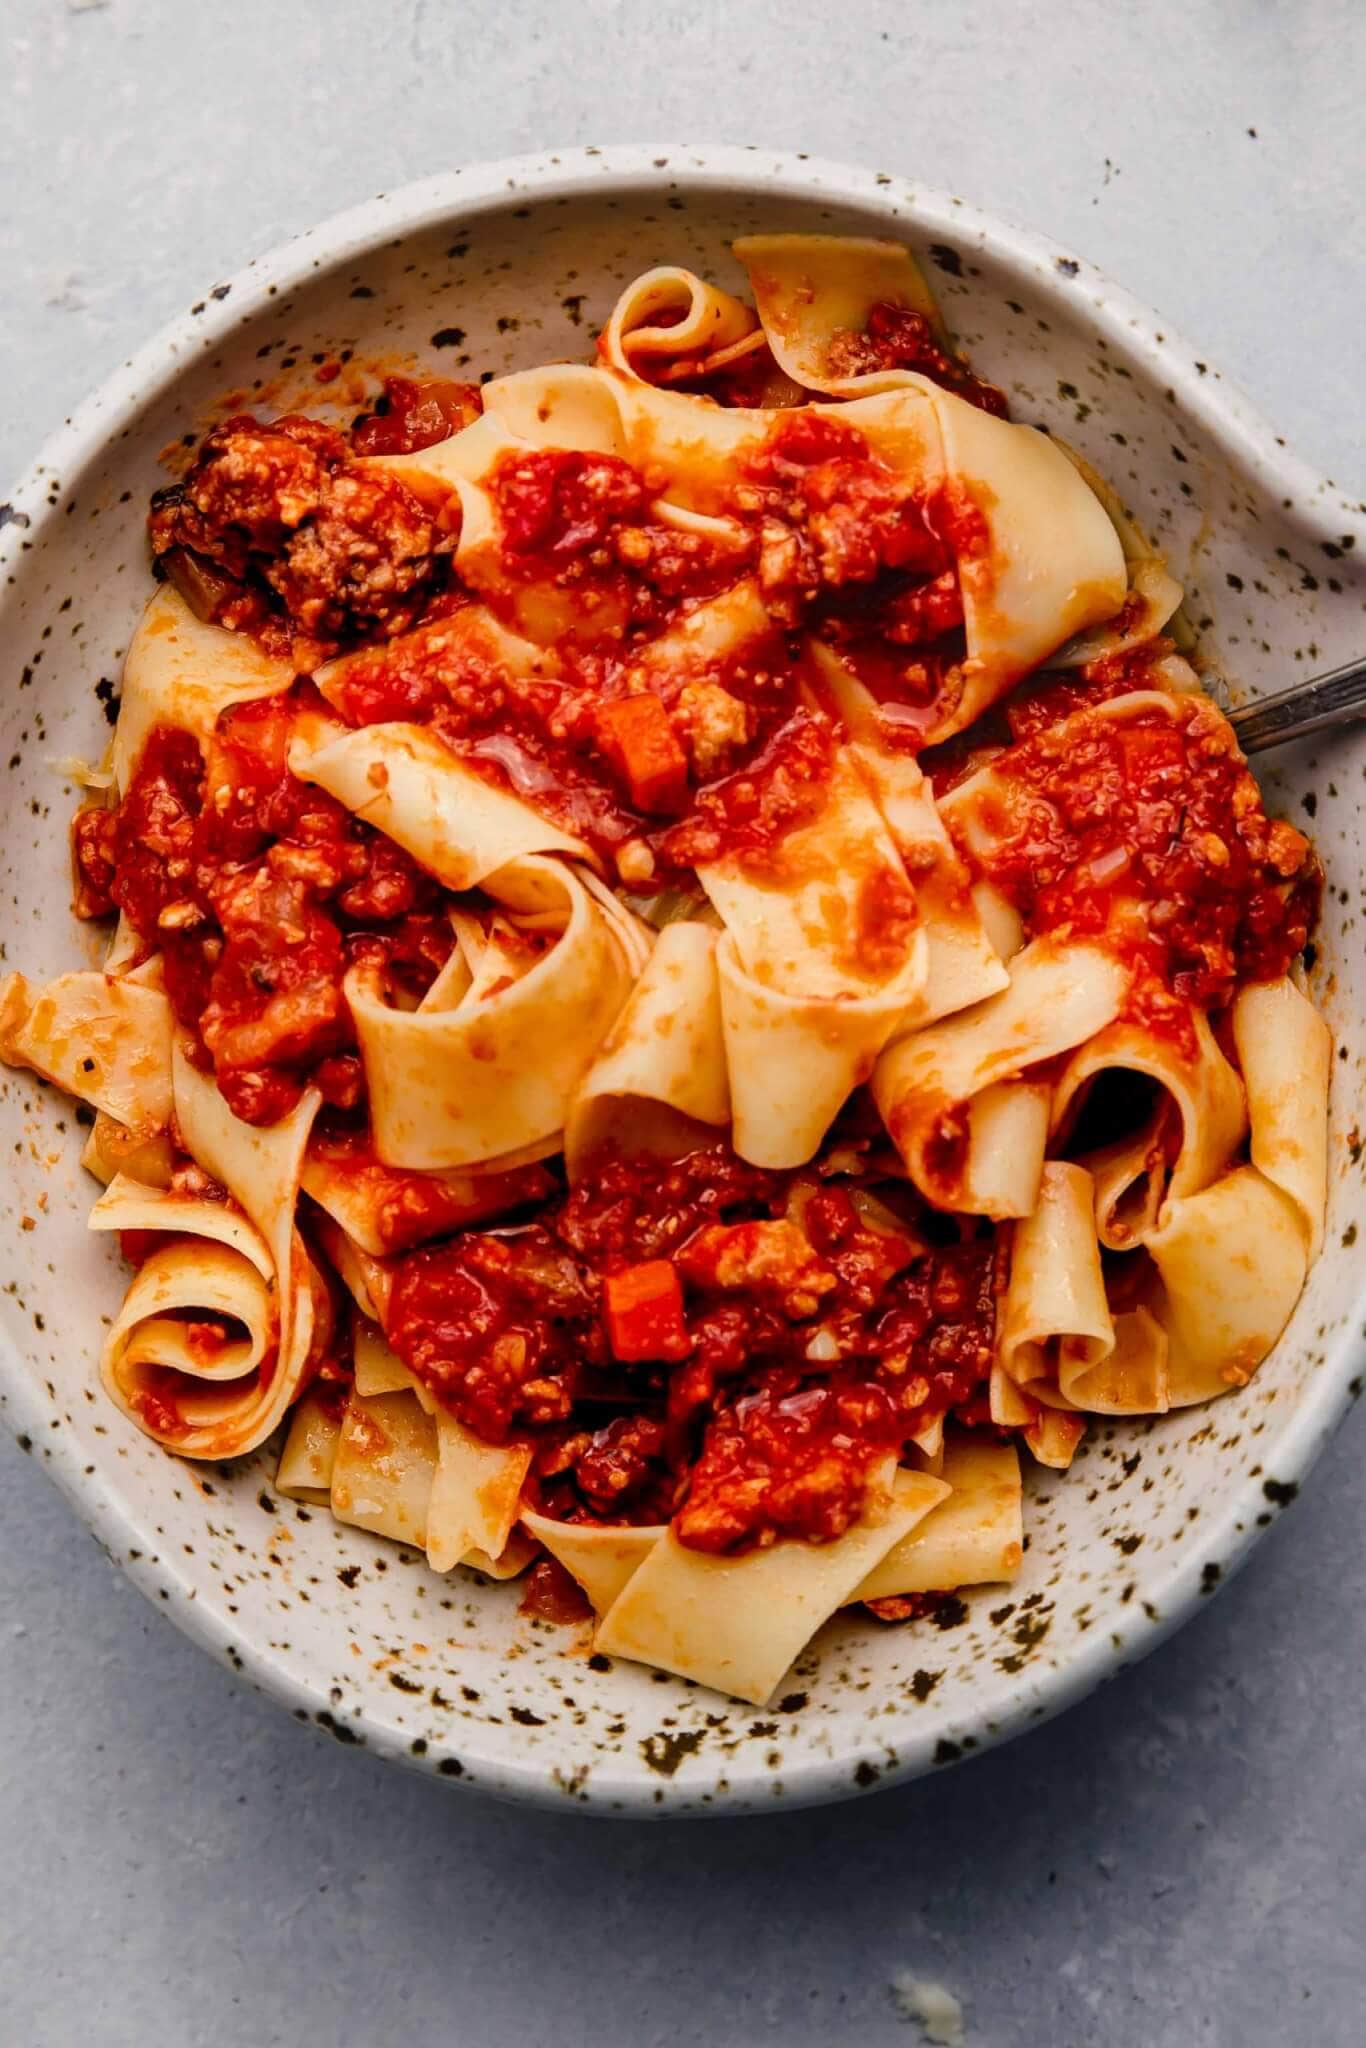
(692, 974)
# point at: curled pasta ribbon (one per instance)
(260, 1168)
(472, 1074)
(1038, 557)
(1224, 1248)
(669, 322)
(1154, 597)
(819, 964)
(1059, 1344)
(1229, 1258)
(1200, 1109)
(736, 1623)
(1042, 563)
(397, 1464)
(660, 1082)
(180, 672)
(193, 1349)
(969, 1122)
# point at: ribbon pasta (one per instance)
(589, 1066)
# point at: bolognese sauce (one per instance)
(258, 891)
(765, 1344)
(1150, 829)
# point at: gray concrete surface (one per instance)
(1179, 1860)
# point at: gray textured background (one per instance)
(1177, 1861)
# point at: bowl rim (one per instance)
(1130, 329)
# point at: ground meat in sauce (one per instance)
(259, 891)
(744, 1437)
(898, 338)
(1152, 830)
(279, 517)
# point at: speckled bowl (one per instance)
(495, 268)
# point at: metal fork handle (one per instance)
(1333, 699)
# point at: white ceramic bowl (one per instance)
(502, 266)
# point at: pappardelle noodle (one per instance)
(695, 973)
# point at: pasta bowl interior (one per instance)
(1072, 1223)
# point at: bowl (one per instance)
(501, 266)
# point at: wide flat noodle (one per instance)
(102, 1038)
(1040, 559)
(260, 1166)
(367, 1279)
(1060, 1344)
(1048, 564)
(809, 288)
(130, 1204)
(304, 1472)
(692, 445)
(475, 1498)
(1154, 594)
(974, 1538)
(814, 976)
(405, 783)
(736, 1623)
(601, 1559)
(558, 405)
(379, 1369)
(660, 1081)
(407, 1468)
(964, 963)
(930, 1085)
(1285, 1050)
(1056, 1295)
(476, 1487)
(383, 1467)
(180, 672)
(1232, 1261)
(490, 1064)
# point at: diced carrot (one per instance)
(637, 736)
(644, 1307)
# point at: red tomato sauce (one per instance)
(898, 338)
(260, 891)
(414, 413)
(730, 1427)
(1150, 830)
